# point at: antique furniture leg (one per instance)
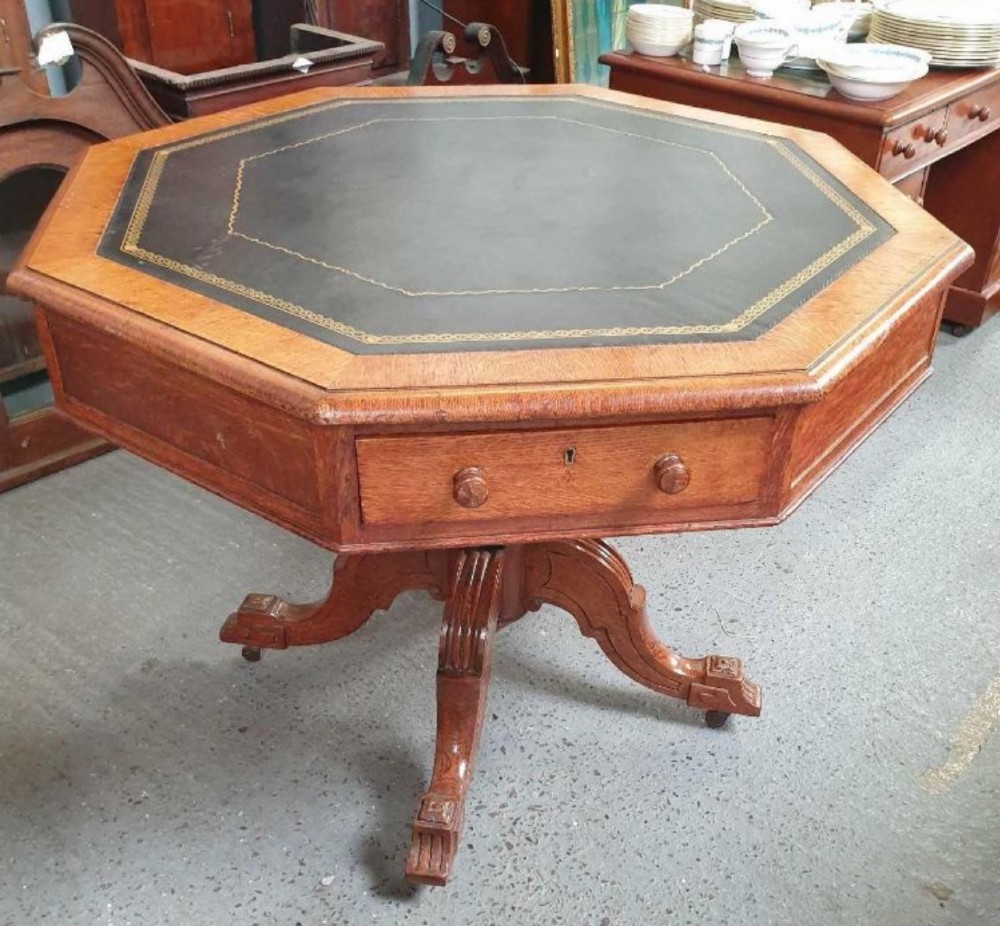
(591, 581)
(470, 618)
(361, 586)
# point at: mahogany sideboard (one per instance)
(936, 142)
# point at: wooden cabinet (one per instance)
(40, 139)
(15, 44)
(937, 141)
(23, 197)
(186, 36)
(385, 21)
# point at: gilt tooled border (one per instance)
(140, 214)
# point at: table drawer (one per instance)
(976, 114)
(915, 144)
(641, 472)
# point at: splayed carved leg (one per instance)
(470, 618)
(591, 581)
(361, 586)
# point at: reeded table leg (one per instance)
(591, 581)
(470, 620)
(361, 586)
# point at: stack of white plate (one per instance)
(734, 11)
(957, 35)
(872, 71)
(657, 29)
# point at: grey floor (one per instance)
(150, 776)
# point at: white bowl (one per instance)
(666, 10)
(676, 29)
(656, 49)
(658, 12)
(868, 90)
(874, 61)
(633, 22)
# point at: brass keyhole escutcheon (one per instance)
(469, 487)
(670, 474)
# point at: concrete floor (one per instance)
(148, 775)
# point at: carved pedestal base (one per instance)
(483, 589)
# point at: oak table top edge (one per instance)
(540, 400)
(786, 353)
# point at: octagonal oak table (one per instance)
(458, 335)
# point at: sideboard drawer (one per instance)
(975, 114)
(640, 472)
(913, 185)
(914, 145)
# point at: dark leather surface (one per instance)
(433, 225)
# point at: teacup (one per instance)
(764, 47)
(720, 29)
(712, 42)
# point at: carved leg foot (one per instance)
(592, 582)
(361, 586)
(470, 620)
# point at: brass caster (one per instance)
(251, 653)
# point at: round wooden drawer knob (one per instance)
(908, 150)
(671, 474)
(982, 113)
(470, 489)
(939, 136)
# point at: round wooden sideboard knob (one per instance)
(974, 111)
(469, 487)
(984, 114)
(908, 150)
(671, 474)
